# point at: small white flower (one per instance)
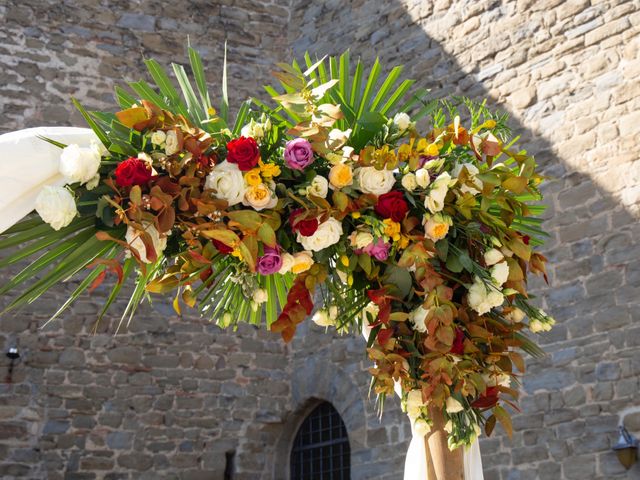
(421, 427)
(79, 164)
(493, 256)
(254, 130)
(483, 299)
(372, 180)
(402, 121)
(322, 319)
(414, 403)
(409, 182)
(158, 137)
(227, 181)
(439, 188)
(260, 295)
(500, 273)
(418, 318)
(134, 239)
(56, 206)
(319, 187)
(171, 142)
(516, 315)
(423, 178)
(327, 234)
(453, 405)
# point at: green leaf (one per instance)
(99, 131)
(201, 82)
(224, 107)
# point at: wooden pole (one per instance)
(442, 464)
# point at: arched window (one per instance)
(321, 447)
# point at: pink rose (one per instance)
(298, 154)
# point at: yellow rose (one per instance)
(252, 177)
(302, 261)
(259, 197)
(340, 175)
(391, 229)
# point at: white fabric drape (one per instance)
(28, 163)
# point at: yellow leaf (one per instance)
(516, 185)
(132, 116)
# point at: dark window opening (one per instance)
(228, 467)
(321, 448)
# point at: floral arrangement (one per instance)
(420, 236)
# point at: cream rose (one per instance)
(227, 181)
(319, 187)
(327, 234)
(453, 405)
(439, 188)
(414, 403)
(56, 206)
(259, 197)
(302, 261)
(421, 427)
(287, 263)
(360, 239)
(340, 176)
(372, 180)
(133, 238)
(171, 143)
(515, 315)
(436, 227)
(158, 137)
(409, 182)
(79, 164)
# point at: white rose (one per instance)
(536, 326)
(483, 299)
(171, 143)
(322, 319)
(327, 234)
(472, 171)
(260, 296)
(500, 273)
(287, 263)
(453, 405)
(493, 256)
(319, 187)
(372, 180)
(409, 182)
(421, 427)
(56, 206)
(414, 403)
(158, 137)
(418, 318)
(402, 121)
(79, 164)
(133, 238)
(253, 129)
(435, 200)
(227, 180)
(423, 178)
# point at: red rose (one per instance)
(305, 227)
(392, 205)
(243, 152)
(222, 247)
(458, 342)
(132, 171)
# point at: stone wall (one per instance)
(172, 396)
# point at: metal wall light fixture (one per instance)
(627, 448)
(13, 356)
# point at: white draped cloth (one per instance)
(28, 163)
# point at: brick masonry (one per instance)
(170, 397)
